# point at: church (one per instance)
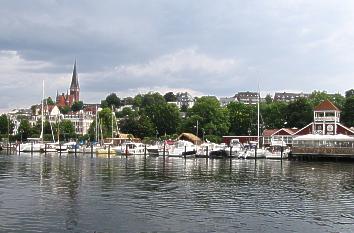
(70, 97)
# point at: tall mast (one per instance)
(96, 127)
(42, 111)
(258, 94)
(112, 123)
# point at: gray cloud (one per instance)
(285, 45)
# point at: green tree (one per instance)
(273, 114)
(299, 113)
(212, 118)
(268, 99)
(77, 106)
(49, 101)
(318, 97)
(65, 109)
(170, 97)
(348, 112)
(105, 119)
(66, 130)
(113, 100)
(125, 112)
(4, 122)
(349, 93)
(128, 101)
(140, 126)
(242, 118)
(25, 129)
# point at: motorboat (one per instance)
(277, 150)
(182, 148)
(131, 148)
(250, 152)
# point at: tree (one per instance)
(113, 100)
(349, 93)
(4, 122)
(318, 97)
(66, 130)
(268, 99)
(77, 106)
(65, 109)
(128, 101)
(241, 118)
(139, 126)
(212, 118)
(348, 112)
(25, 129)
(49, 101)
(299, 113)
(273, 114)
(105, 119)
(125, 112)
(170, 97)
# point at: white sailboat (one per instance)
(35, 144)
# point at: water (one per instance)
(49, 193)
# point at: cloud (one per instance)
(180, 61)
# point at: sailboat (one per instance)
(106, 149)
(35, 144)
(254, 150)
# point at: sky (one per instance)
(204, 47)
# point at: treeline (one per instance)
(151, 116)
(64, 130)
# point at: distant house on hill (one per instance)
(288, 97)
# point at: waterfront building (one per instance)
(326, 121)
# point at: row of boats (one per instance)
(180, 148)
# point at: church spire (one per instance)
(74, 80)
(74, 87)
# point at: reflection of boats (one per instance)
(130, 148)
(277, 150)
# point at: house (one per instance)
(326, 121)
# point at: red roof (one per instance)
(325, 106)
(269, 132)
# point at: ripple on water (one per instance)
(63, 193)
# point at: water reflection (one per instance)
(52, 193)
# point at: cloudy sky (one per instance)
(205, 47)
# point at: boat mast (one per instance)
(258, 99)
(112, 123)
(96, 127)
(41, 137)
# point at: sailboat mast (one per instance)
(258, 118)
(96, 127)
(42, 111)
(112, 123)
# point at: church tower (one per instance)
(74, 86)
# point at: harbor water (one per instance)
(52, 193)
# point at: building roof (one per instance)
(326, 106)
(190, 137)
(74, 80)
